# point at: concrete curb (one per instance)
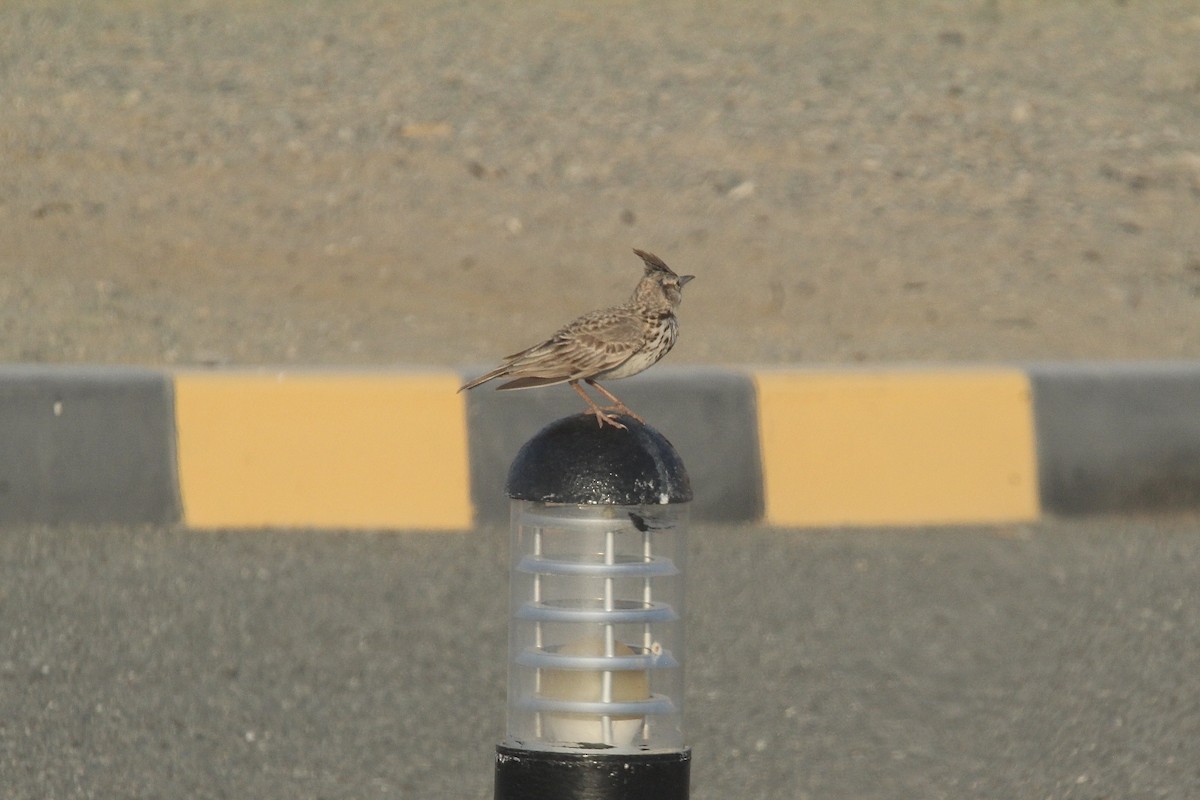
(1118, 438)
(86, 444)
(790, 447)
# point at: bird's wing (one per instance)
(590, 345)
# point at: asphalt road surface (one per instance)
(1054, 661)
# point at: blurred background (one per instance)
(366, 182)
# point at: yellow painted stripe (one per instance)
(897, 447)
(322, 449)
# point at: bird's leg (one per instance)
(617, 405)
(601, 417)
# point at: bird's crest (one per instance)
(653, 262)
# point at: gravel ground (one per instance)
(211, 182)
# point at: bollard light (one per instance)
(596, 645)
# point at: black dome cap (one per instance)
(573, 460)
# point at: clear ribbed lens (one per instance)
(596, 635)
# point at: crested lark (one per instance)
(611, 343)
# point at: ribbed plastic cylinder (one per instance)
(596, 640)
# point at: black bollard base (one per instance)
(541, 775)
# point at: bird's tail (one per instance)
(482, 379)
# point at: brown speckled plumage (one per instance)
(603, 345)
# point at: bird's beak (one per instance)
(684, 279)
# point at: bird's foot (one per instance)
(617, 406)
(603, 419)
(621, 408)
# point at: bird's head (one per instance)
(660, 286)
